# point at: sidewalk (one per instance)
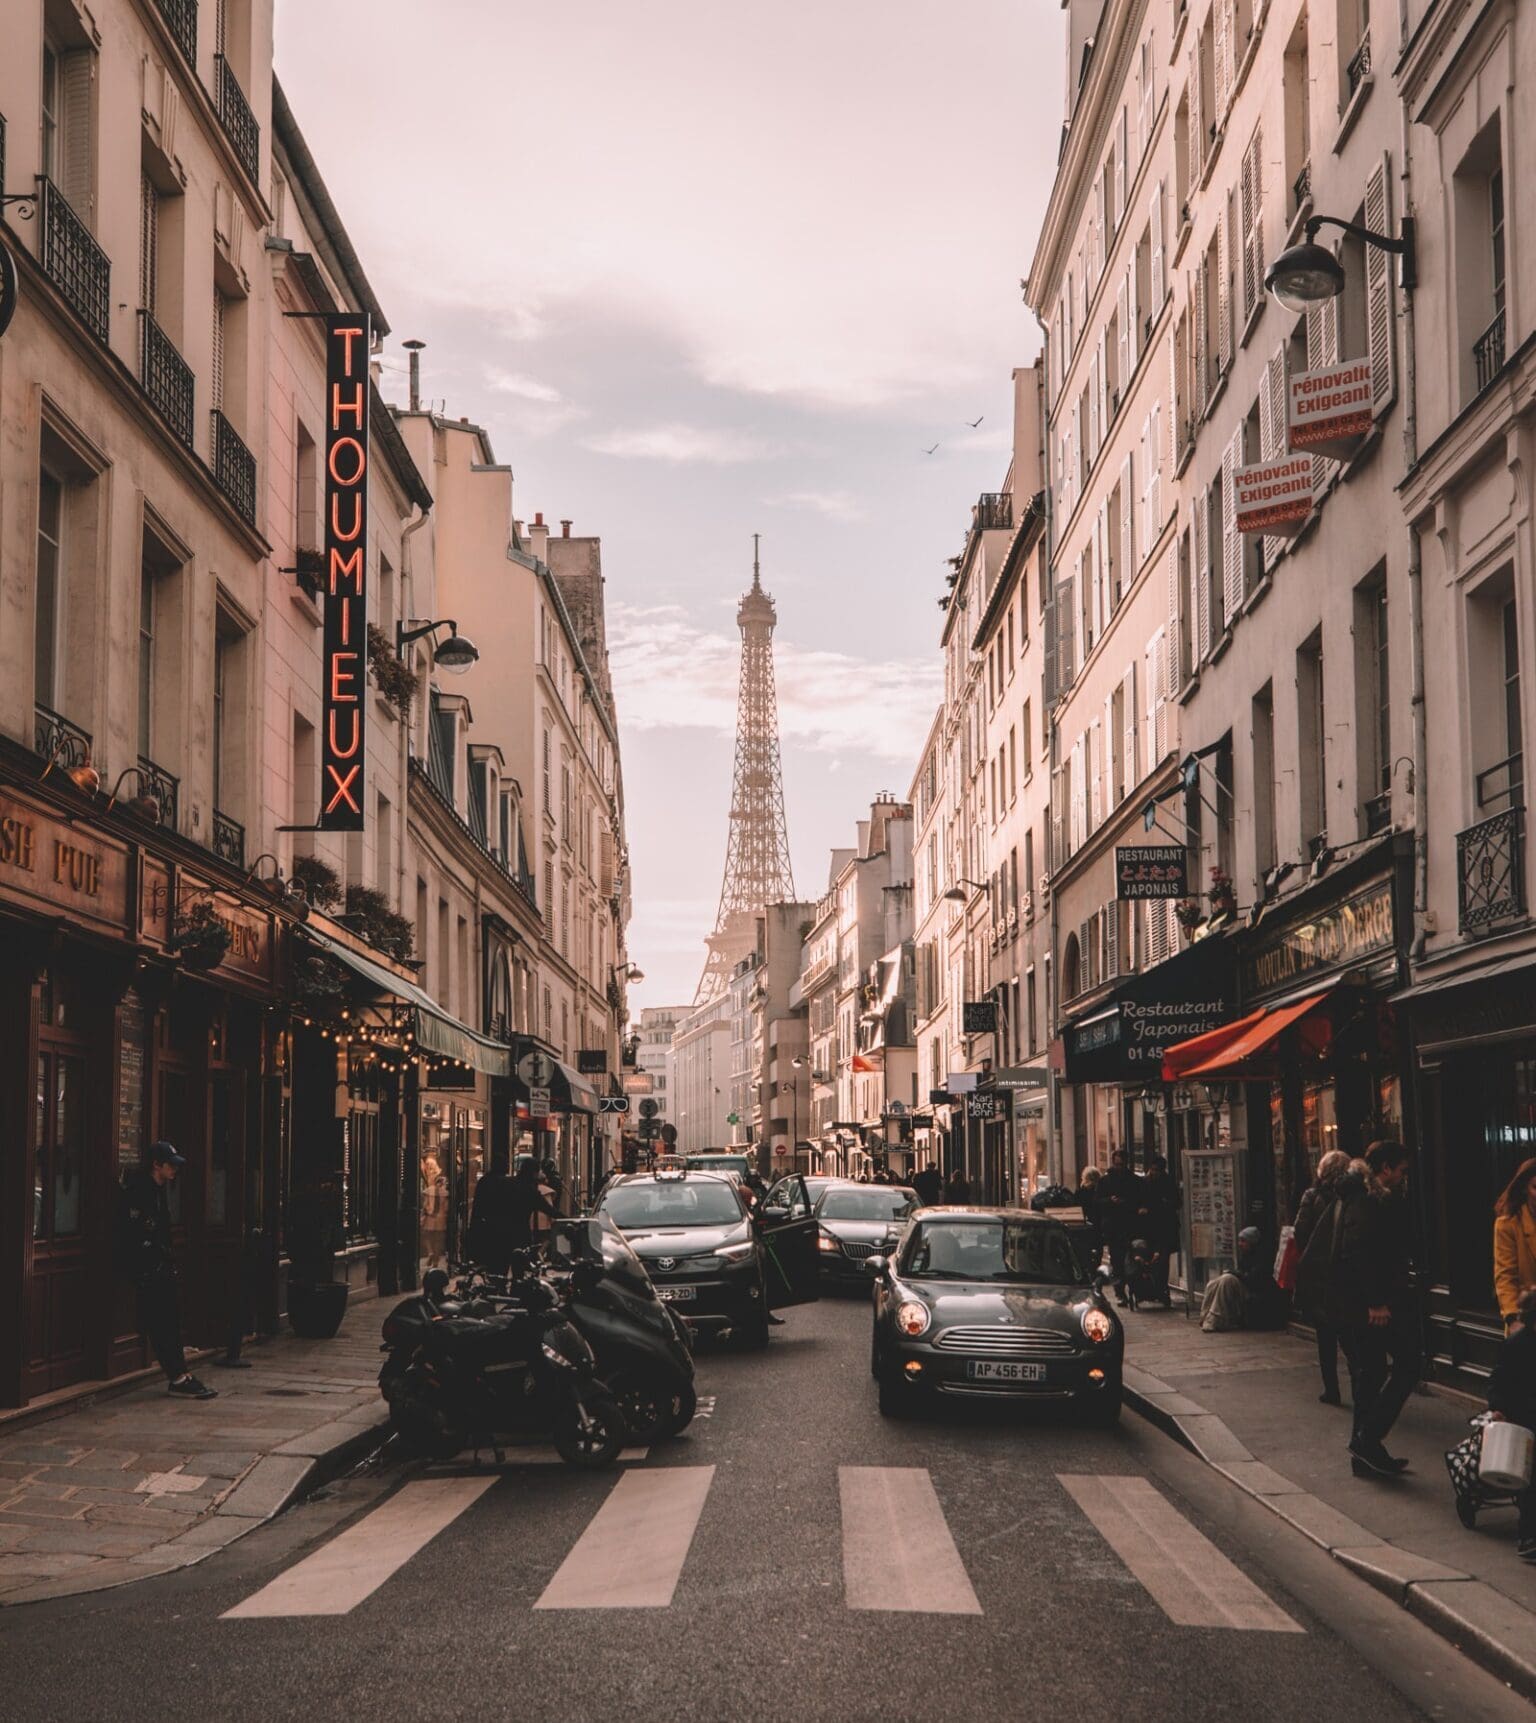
(1247, 1404)
(144, 1484)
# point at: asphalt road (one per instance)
(831, 1565)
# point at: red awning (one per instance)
(1248, 1048)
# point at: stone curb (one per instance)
(260, 1494)
(1477, 1619)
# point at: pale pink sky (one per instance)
(707, 270)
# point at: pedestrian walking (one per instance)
(1119, 1193)
(1160, 1225)
(1087, 1197)
(929, 1185)
(491, 1230)
(958, 1189)
(1373, 1295)
(144, 1246)
(527, 1203)
(1514, 1241)
(1512, 1397)
(1315, 1235)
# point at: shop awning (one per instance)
(1249, 1048)
(1122, 1039)
(436, 1031)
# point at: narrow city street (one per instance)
(792, 1555)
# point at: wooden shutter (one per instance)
(1058, 818)
(1221, 34)
(1231, 538)
(1111, 752)
(1202, 390)
(1224, 285)
(1155, 221)
(1066, 665)
(1078, 812)
(1095, 403)
(216, 368)
(1201, 578)
(1245, 204)
(1122, 340)
(1378, 286)
(1197, 139)
(1128, 564)
(1132, 321)
(1272, 406)
(1148, 93)
(1131, 765)
(1158, 740)
(1154, 475)
(1173, 669)
(1095, 775)
(1322, 349)
(1110, 916)
(149, 242)
(1121, 150)
(77, 143)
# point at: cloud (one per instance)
(680, 444)
(835, 505)
(523, 388)
(671, 674)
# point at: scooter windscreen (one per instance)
(597, 1242)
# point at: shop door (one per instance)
(59, 1305)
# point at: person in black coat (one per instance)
(1512, 1396)
(1158, 1224)
(1372, 1300)
(929, 1185)
(1313, 1233)
(1119, 1199)
(958, 1189)
(145, 1260)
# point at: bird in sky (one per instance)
(973, 423)
(930, 451)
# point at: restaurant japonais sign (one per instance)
(1151, 871)
(342, 775)
(1330, 410)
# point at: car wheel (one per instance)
(896, 1400)
(874, 1356)
(1103, 1409)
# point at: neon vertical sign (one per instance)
(344, 708)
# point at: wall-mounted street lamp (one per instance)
(455, 654)
(145, 804)
(1309, 274)
(956, 894)
(627, 972)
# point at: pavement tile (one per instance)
(107, 1458)
(124, 1498)
(92, 1477)
(216, 1531)
(44, 1487)
(43, 1508)
(226, 1464)
(40, 1453)
(1393, 1570)
(267, 1486)
(1325, 1525)
(1493, 1628)
(16, 1469)
(150, 1519)
(1212, 1439)
(1258, 1479)
(71, 1537)
(37, 1565)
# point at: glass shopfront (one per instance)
(454, 1152)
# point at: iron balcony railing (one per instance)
(1502, 784)
(228, 839)
(1490, 865)
(1360, 64)
(166, 377)
(994, 509)
(234, 468)
(157, 782)
(236, 117)
(56, 738)
(1488, 352)
(181, 18)
(74, 262)
(1302, 186)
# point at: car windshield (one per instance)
(672, 1202)
(864, 1202)
(1028, 1253)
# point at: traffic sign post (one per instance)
(649, 1108)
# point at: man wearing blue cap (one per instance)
(146, 1260)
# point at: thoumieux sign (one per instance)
(344, 708)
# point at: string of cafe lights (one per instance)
(389, 1046)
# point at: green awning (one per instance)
(436, 1031)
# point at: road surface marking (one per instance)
(705, 1407)
(517, 1458)
(632, 1553)
(897, 1551)
(340, 1574)
(1186, 1575)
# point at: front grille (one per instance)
(859, 1251)
(1007, 1342)
(684, 1264)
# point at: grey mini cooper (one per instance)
(995, 1303)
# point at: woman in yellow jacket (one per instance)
(1514, 1241)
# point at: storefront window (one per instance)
(218, 1149)
(60, 1146)
(453, 1158)
(1319, 1123)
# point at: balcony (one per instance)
(228, 839)
(1490, 866)
(994, 511)
(73, 261)
(234, 468)
(1360, 64)
(55, 738)
(1378, 814)
(1301, 187)
(1488, 352)
(157, 782)
(166, 378)
(236, 117)
(181, 19)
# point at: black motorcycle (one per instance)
(518, 1367)
(643, 1354)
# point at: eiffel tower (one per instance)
(757, 869)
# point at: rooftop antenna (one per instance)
(414, 349)
(757, 575)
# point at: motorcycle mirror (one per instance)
(434, 1284)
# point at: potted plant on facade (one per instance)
(309, 570)
(199, 938)
(392, 676)
(318, 881)
(317, 1300)
(1187, 913)
(368, 914)
(1223, 894)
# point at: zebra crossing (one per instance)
(899, 1554)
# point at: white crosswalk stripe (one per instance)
(1185, 1574)
(351, 1567)
(632, 1553)
(897, 1550)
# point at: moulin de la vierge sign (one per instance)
(342, 774)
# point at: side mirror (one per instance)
(874, 1266)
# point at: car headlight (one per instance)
(1097, 1324)
(556, 1356)
(825, 1241)
(912, 1317)
(736, 1252)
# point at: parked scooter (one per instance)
(521, 1368)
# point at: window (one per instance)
(1512, 722)
(1373, 705)
(1354, 38)
(223, 647)
(1312, 731)
(67, 140)
(1480, 274)
(149, 243)
(159, 607)
(1251, 207)
(1263, 729)
(1298, 119)
(306, 489)
(49, 611)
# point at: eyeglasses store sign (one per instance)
(342, 774)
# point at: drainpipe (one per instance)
(407, 584)
(1415, 590)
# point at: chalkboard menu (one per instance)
(130, 1082)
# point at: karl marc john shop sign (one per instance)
(342, 776)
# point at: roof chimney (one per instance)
(414, 349)
(565, 529)
(538, 519)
